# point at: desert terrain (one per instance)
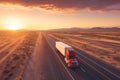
(15, 49)
(31, 55)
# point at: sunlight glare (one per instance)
(13, 24)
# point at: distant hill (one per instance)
(88, 29)
(105, 29)
(68, 29)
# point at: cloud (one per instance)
(63, 5)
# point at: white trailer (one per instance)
(62, 47)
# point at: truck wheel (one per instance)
(68, 66)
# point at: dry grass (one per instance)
(13, 67)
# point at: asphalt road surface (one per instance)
(46, 63)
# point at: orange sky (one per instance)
(38, 18)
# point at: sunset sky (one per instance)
(52, 14)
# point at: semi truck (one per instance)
(68, 53)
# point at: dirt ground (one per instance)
(15, 50)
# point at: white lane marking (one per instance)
(60, 60)
(99, 65)
(82, 69)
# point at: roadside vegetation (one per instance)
(14, 65)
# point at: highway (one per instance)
(46, 63)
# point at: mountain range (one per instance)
(88, 29)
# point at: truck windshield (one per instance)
(72, 55)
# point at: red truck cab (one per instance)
(70, 58)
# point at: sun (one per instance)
(13, 24)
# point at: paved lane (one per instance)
(44, 64)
